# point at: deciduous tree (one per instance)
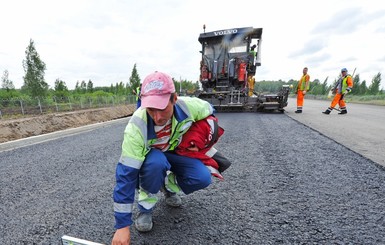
(34, 69)
(61, 89)
(374, 87)
(90, 86)
(6, 83)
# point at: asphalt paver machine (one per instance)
(229, 62)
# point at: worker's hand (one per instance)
(304, 92)
(122, 236)
(193, 147)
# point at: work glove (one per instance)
(304, 92)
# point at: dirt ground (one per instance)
(14, 129)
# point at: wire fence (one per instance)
(16, 108)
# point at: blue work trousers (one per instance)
(191, 174)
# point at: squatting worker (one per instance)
(148, 161)
(343, 86)
(302, 88)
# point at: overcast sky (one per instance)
(102, 40)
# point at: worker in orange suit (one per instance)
(251, 82)
(302, 87)
(343, 86)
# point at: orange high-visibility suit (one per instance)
(251, 82)
(343, 86)
(302, 88)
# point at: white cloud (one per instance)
(102, 40)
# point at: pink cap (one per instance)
(156, 90)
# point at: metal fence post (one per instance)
(69, 102)
(22, 109)
(57, 108)
(41, 111)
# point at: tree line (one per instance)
(322, 88)
(35, 85)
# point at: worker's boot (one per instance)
(146, 202)
(170, 190)
(343, 111)
(172, 199)
(298, 111)
(143, 222)
(328, 110)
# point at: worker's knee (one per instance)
(153, 171)
(155, 161)
(195, 182)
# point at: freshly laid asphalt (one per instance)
(294, 180)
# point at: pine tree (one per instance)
(134, 80)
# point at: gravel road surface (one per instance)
(288, 184)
